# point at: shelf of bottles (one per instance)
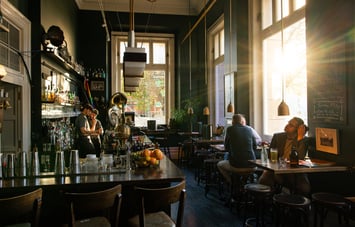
(59, 135)
(59, 94)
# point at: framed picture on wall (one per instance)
(327, 140)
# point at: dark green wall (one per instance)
(330, 69)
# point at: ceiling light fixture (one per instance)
(134, 59)
(283, 109)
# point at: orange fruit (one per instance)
(147, 152)
(158, 154)
(153, 161)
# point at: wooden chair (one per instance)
(24, 209)
(152, 203)
(99, 208)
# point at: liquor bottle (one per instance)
(293, 157)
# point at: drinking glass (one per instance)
(282, 162)
(273, 154)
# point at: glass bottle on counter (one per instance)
(263, 155)
(293, 157)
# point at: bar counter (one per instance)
(52, 213)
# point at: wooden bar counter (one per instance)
(52, 213)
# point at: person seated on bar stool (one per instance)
(241, 145)
(293, 135)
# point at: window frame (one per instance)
(19, 78)
(258, 36)
(168, 67)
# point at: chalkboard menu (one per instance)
(329, 109)
(329, 94)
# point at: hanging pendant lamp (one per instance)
(230, 107)
(283, 109)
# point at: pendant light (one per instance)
(190, 110)
(230, 107)
(283, 109)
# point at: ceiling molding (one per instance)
(172, 7)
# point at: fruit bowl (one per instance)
(147, 158)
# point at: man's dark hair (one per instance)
(87, 106)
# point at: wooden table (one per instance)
(54, 186)
(218, 147)
(315, 166)
(189, 134)
(213, 140)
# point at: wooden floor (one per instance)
(210, 210)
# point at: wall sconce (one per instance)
(206, 111)
(190, 111)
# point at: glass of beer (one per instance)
(273, 154)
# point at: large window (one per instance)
(216, 76)
(152, 99)
(284, 66)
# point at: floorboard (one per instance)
(211, 211)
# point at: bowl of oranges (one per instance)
(147, 157)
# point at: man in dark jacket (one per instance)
(293, 135)
(241, 145)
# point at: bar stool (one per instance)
(291, 207)
(185, 151)
(239, 180)
(211, 174)
(260, 193)
(324, 202)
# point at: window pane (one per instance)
(159, 53)
(291, 67)
(145, 45)
(216, 46)
(122, 50)
(299, 3)
(267, 13)
(219, 82)
(152, 108)
(221, 40)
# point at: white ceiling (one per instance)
(174, 7)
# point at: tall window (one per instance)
(283, 67)
(153, 98)
(216, 77)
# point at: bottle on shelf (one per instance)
(293, 157)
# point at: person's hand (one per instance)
(301, 132)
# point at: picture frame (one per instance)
(327, 140)
(97, 85)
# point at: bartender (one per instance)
(84, 143)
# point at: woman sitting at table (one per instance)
(293, 135)
(241, 145)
